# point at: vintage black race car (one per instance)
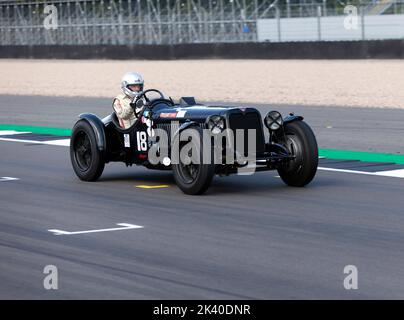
(289, 145)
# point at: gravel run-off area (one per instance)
(354, 83)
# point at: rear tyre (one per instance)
(194, 178)
(301, 142)
(87, 160)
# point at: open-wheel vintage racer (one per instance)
(290, 146)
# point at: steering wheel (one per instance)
(143, 95)
(150, 103)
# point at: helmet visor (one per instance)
(136, 88)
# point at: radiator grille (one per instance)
(250, 120)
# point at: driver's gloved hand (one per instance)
(139, 104)
(138, 111)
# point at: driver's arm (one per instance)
(123, 109)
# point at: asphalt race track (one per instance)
(365, 129)
(248, 237)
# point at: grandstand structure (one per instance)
(132, 22)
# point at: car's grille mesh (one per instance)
(250, 120)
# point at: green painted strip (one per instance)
(35, 129)
(328, 153)
(362, 156)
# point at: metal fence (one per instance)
(130, 22)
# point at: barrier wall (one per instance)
(377, 27)
(383, 49)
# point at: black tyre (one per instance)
(194, 178)
(87, 160)
(301, 142)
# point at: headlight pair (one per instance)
(216, 124)
(273, 120)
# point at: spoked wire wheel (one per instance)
(82, 150)
(188, 172)
(294, 145)
(302, 144)
(87, 160)
(194, 178)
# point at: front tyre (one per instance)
(301, 142)
(193, 178)
(87, 160)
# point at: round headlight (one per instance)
(215, 124)
(273, 120)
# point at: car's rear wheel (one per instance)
(301, 142)
(194, 178)
(86, 158)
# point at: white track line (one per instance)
(391, 173)
(345, 171)
(61, 142)
(125, 226)
(10, 132)
(4, 179)
(399, 173)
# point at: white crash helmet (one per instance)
(129, 79)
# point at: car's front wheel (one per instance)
(87, 160)
(194, 177)
(302, 144)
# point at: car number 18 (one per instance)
(141, 141)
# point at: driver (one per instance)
(132, 86)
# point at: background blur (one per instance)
(204, 48)
(133, 22)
